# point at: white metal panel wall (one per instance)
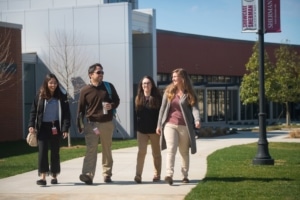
(145, 51)
(60, 20)
(105, 37)
(112, 23)
(18, 4)
(39, 4)
(36, 27)
(17, 18)
(64, 3)
(88, 2)
(141, 22)
(86, 24)
(3, 5)
(116, 56)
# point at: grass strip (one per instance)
(231, 174)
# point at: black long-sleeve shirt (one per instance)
(147, 119)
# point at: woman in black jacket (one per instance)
(50, 115)
(147, 104)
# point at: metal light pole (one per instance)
(262, 157)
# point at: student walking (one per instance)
(96, 104)
(178, 115)
(147, 104)
(50, 114)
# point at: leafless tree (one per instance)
(65, 59)
(6, 62)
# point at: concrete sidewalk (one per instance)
(24, 186)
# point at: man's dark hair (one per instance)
(93, 67)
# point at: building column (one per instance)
(205, 105)
(239, 106)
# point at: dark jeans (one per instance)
(49, 141)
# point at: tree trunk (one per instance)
(69, 135)
(288, 116)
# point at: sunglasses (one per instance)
(99, 72)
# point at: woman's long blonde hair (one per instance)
(186, 84)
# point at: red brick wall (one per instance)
(11, 118)
(204, 55)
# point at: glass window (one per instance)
(158, 77)
(221, 79)
(215, 79)
(164, 77)
(194, 78)
(209, 79)
(227, 79)
(200, 79)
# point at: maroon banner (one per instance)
(249, 16)
(272, 16)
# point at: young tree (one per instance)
(282, 82)
(6, 62)
(65, 59)
(249, 90)
(286, 86)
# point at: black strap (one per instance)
(37, 111)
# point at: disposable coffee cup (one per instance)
(104, 108)
(96, 131)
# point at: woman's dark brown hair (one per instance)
(44, 90)
(155, 96)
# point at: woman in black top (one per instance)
(147, 105)
(51, 109)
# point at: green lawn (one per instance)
(231, 175)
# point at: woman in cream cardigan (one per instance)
(178, 115)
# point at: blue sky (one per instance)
(220, 18)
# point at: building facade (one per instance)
(11, 104)
(216, 66)
(124, 39)
(114, 33)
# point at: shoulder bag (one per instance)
(32, 136)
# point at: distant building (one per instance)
(216, 66)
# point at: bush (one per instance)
(203, 133)
(214, 131)
(209, 131)
(219, 131)
(294, 133)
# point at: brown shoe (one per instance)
(169, 180)
(138, 179)
(185, 180)
(107, 179)
(86, 178)
(156, 178)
